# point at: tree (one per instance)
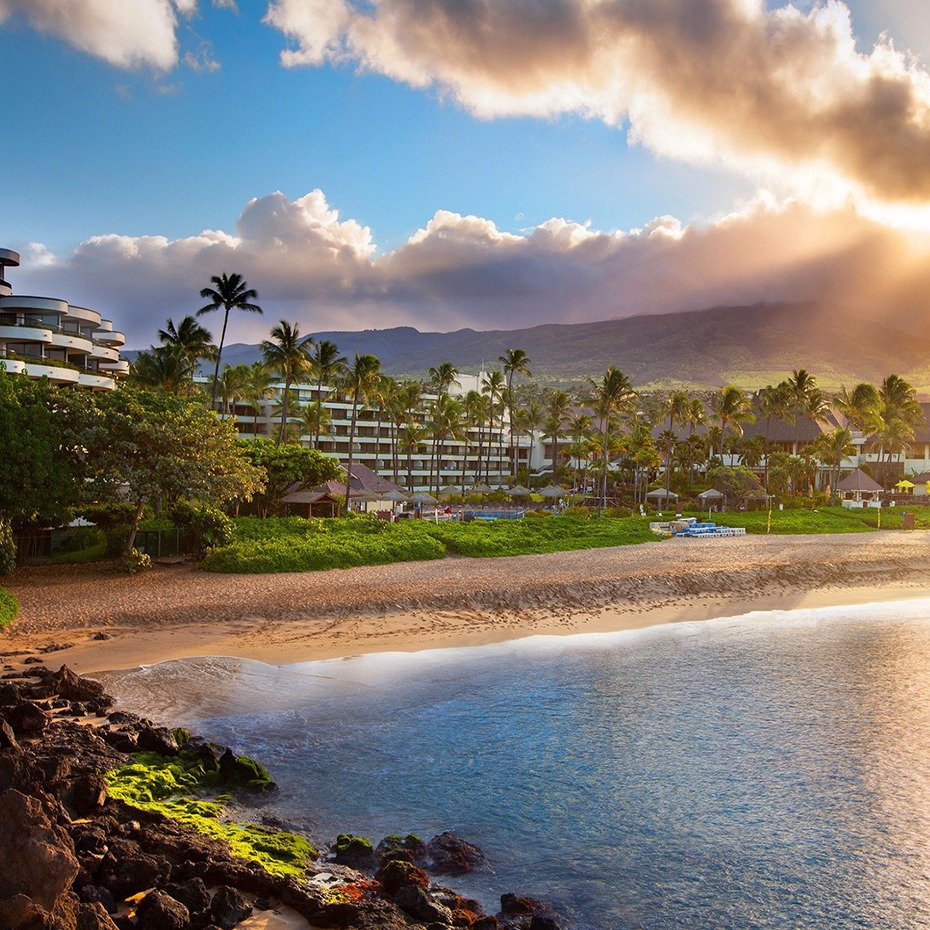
(611, 394)
(361, 378)
(259, 386)
(43, 465)
(493, 386)
(412, 437)
(832, 448)
(445, 423)
(229, 292)
(328, 366)
(558, 404)
(443, 377)
(286, 355)
(528, 419)
(283, 466)
(732, 408)
(161, 369)
(477, 407)
(145, 446)
(515, 362)
(189, 340)
(232, 384)
(860, 406)
(736, 484)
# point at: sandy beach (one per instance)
(94, 619)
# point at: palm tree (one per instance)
(231, 385)
(402, 405)
(515, 362)
(732, 408)
(446, 423)
(677, 407)
(412, 437)
(696, 415)
(477, 408)
(315, 417)
(286, 355)
(611, 394)
(860, 406)
(258, 387)
(831, 448)
(558, 405)
(231, 292)
(528, 420)
(190, 340)
(493, 386)
(444, 376)
(328, 366)
(361, 378)
(162, 369)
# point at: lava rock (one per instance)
(94, 916)
(157, 739)
(192, 894)
(415, 901)
(449, 854)
(7, 737)
(228, 907)
(159, 911)
(395, 874)
(27, 719)
(355, 852)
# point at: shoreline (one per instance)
(95, 620)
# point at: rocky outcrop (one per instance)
(74, 858)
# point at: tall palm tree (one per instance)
(732, 408)
(328, 367)
(361, 378)
(696, 415)
(403, 404)
(515, 362)
(229, 292)
(192, 340)
(232, 384)
(477, 407)
(612, 393)
(831, 448)
(412, 437)
(446, 423)
(528, 419)
(315, 416)
(286, 354)
(677, 406)
(558, 404)
(493, 385)
(444, 376)
(258, 387)
(860, 406)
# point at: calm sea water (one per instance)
(771, 771)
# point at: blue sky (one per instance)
(183, 139)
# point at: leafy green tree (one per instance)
(283, 466)
(161, 369)
(832, 448)
(145, 447)
(259, 386)
(40, 450)
(735, 483)
(733, 409)
(191, 341)
(558, 405)
(229, 292)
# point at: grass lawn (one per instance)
(822, 520)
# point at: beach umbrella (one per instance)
(449, 490)
(421, 497)
(519, 491)
(552, 490)
(481, 489)
(661, 493)
(711, 494)
(904, 484)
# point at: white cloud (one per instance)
(765, 91)
(125, 33)
(310, 265)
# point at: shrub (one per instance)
(7, 549)
(9, 608)
(135, 561)
(207, 526)
(323, 550)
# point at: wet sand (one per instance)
(94, 619)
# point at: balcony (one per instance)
(25, 304)
(95, 381)
(25, 332)
(9, 258)
(12, 366)
(56, 372)
(73, 341)
(84, 315)
(105, 354)
(120, 367)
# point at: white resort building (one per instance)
(48, 337)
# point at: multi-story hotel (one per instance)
(50, 338)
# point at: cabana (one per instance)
(859, 488)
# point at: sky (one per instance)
(491, 164)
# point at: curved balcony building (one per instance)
(48, 337)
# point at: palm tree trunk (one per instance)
(319, 411)
(219, 355)
(351, 449)
(284, 400)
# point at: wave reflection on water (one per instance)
(761, 772)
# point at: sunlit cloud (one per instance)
(313, 266)
(781, 94)
(127, 34)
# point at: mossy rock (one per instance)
(397, 873)
(354, 851)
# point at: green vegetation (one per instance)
(525, 537)
(294, 545)
(823, 520)
(174, 786)
(9, 608)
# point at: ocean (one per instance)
(765, 771)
